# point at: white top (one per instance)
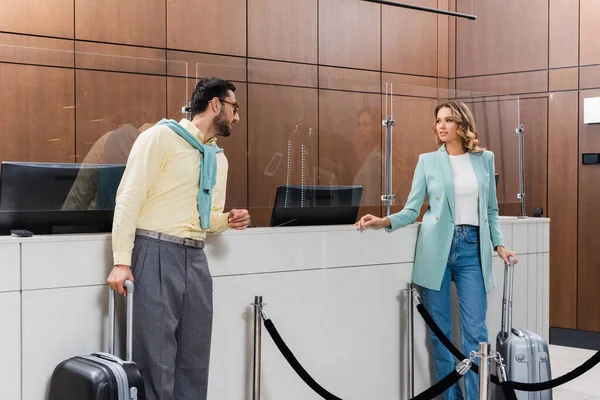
(466, 194)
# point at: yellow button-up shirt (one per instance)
(159, 190)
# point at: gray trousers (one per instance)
(172, 319)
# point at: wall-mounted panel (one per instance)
(109, 57)
(34, 17)
(563, 154)
(350, 34)
(589, 77)
(38, 123)
(588, 265)
(33, 50)
(564, 33)
(137, 22)
(410, 40)
(563, 79)
(118, 106)
(283, 30)
(282, 73)
(588, 35)
(506, 37)
(214, 26)
(348, 79)
(196, 65)
(524, 82)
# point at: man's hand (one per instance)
(118, 276)
(238, 219)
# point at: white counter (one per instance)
(334, 294)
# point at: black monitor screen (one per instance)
(43, 197)
(315, 205)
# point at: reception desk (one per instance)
(336, 295)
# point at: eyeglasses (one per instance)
(235, 106)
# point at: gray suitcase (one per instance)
(525, 353)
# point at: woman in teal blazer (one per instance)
(457, 234)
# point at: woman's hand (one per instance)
(372, 222)
(504, 254)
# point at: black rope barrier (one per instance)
(295, 364)
(508, 390)
(526, 387)
(450, 380)
(429, 394)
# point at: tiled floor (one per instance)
(565, 359)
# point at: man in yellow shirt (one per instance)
(170, 196)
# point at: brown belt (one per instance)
(187, 242)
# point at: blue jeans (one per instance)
(464, 268)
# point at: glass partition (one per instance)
(69, 120)
(307, 134)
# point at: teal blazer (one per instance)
(433, 177)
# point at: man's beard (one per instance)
(221, 125)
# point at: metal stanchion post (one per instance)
(410, 336)
(257, 348)
(388, 122)
(521, 195)
(484, 370)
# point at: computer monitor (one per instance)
(297, 205)
(58, 197)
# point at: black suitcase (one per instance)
(101, 376)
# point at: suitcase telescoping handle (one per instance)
(112, 316)
(507, 298)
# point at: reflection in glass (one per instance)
(92, 189)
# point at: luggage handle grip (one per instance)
(507, 298)
(129, 316)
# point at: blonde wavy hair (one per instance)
(463, 117)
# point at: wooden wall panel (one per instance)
(109, 57)
(137, 22)
(589, 45)
(524, 82)
(109, 100)
(34, 17)
(214, 26)
(195, 65)
(564, 33)
(38, 123)
(589, 77)
(350, 34)
(562, 207)
(350, 145)
(282, 73)
(588, 269)
(410, 85)
(410, 40)
(36, 50)
(283, 30)
(506, 37)
(277, 116)
(563, 79)
(347, 79)
(443, 39)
